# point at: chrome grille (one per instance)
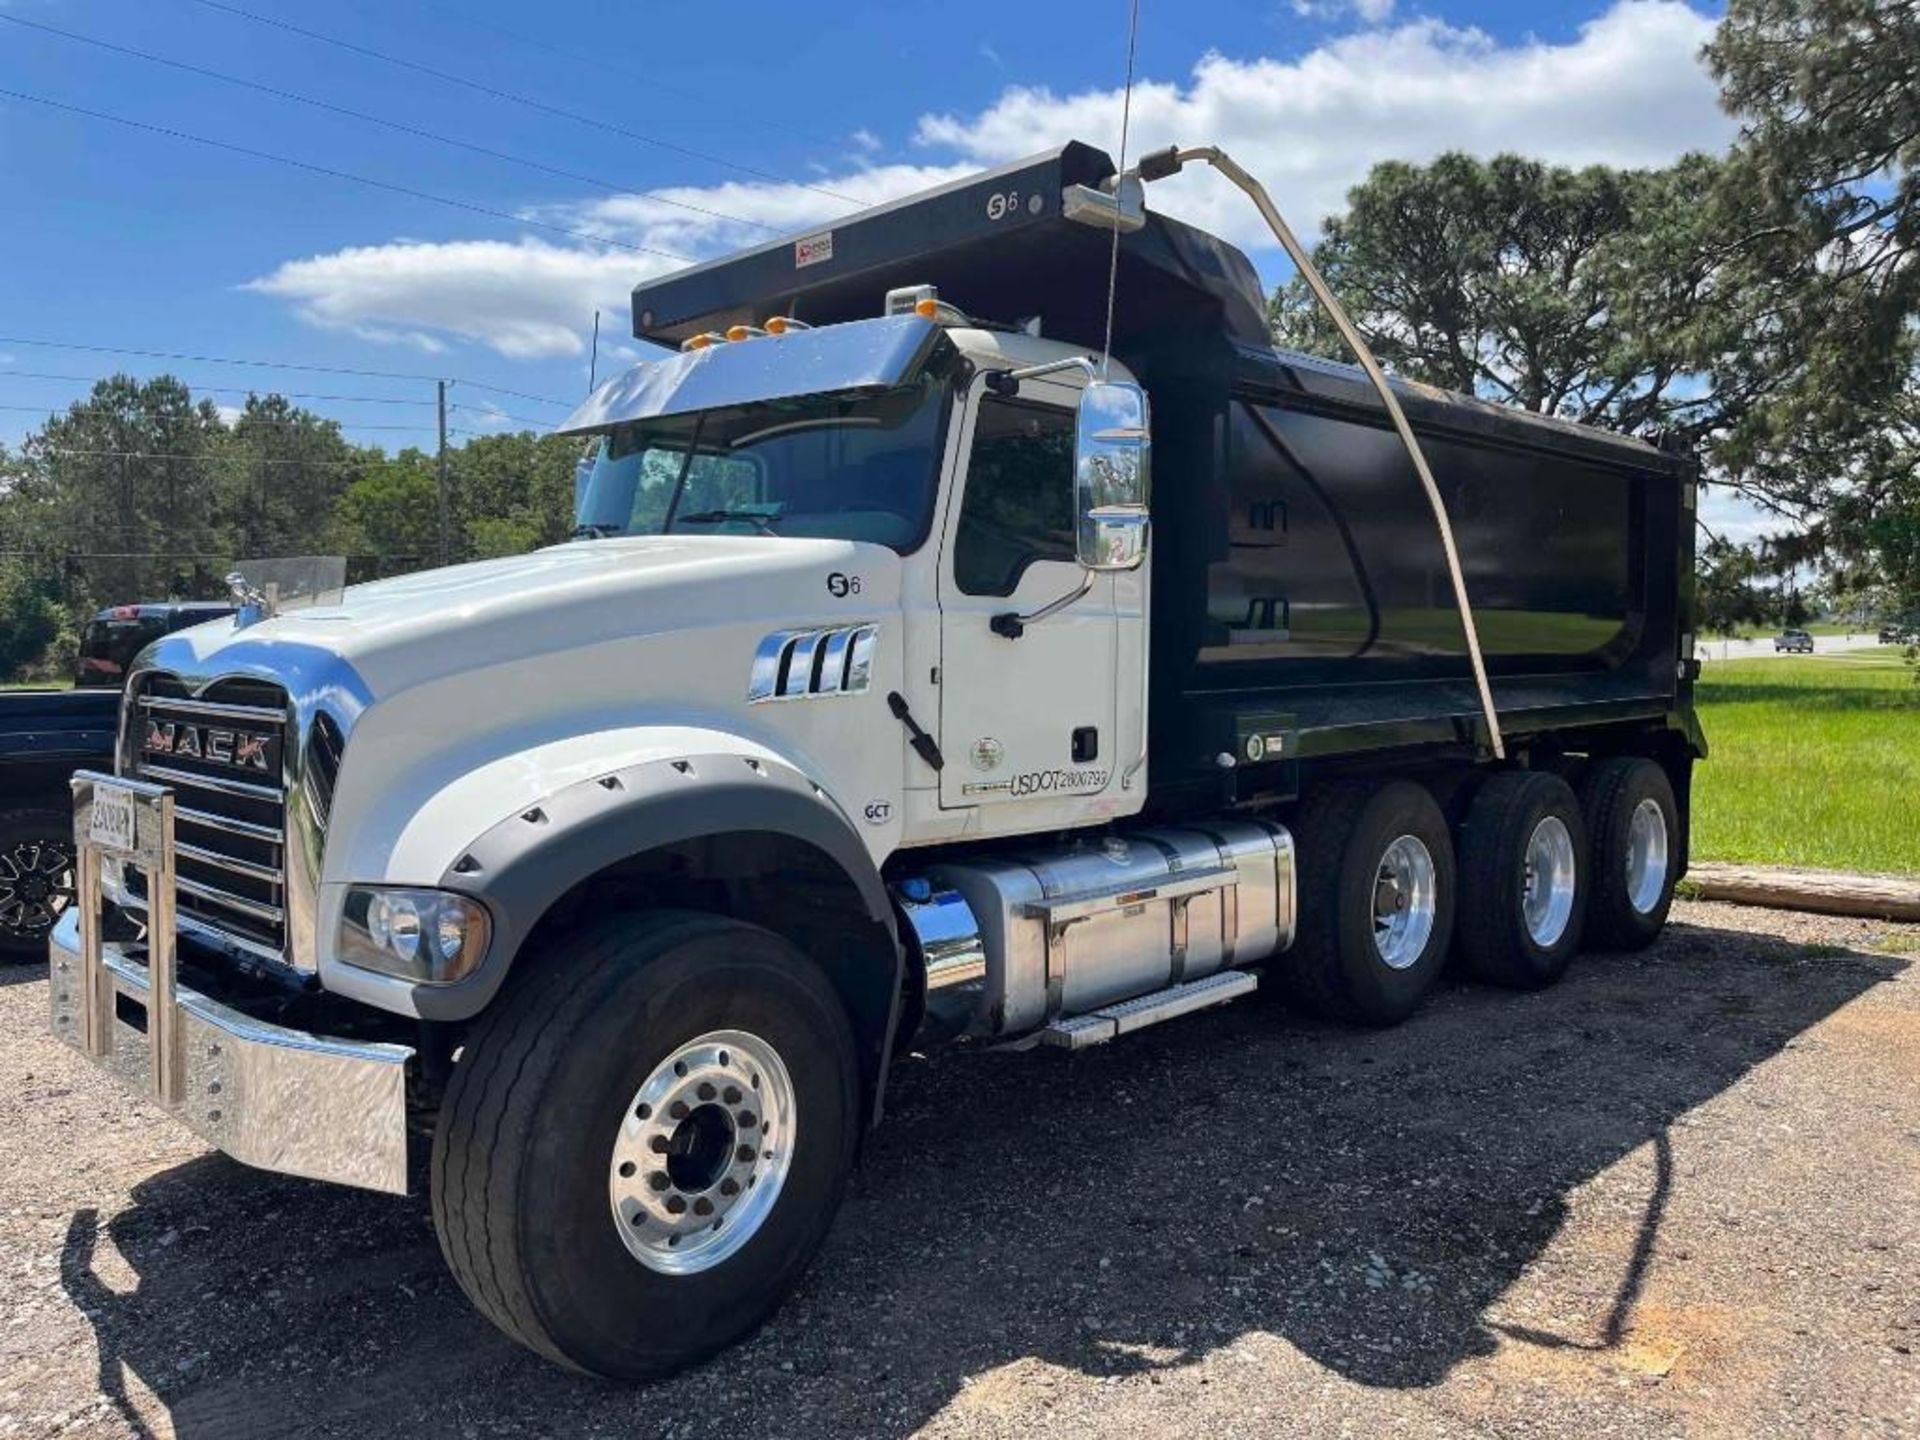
(222, 750)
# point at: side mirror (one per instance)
(1110, 472)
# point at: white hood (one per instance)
(411, 630)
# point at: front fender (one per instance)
(519, 866)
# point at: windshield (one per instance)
(840, 467)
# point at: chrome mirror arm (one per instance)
(1006, 383)
(1012, 625)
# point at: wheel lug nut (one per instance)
(659, 1181)
(705, 1092)
(676, 1206)
(729, 1187)
(747, 1120)
(731, 1094)
(703, 1206)
(745, 1152)
(677, 1110)
(658, 1144)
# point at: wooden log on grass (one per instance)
(1829, 892)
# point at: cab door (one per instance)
(1027, 720)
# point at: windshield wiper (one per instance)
(591, 531)
(720, 517)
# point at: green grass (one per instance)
(1815, 762)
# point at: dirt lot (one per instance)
(1679, 1194)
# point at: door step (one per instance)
(1099, 1026)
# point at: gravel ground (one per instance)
(1677, 1194)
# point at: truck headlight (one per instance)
(432, 936)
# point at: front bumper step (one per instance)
(284, 1100)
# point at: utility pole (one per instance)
(446, 556)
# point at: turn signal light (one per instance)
(737, 333)
(781, 324)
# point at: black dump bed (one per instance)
(1299, 587)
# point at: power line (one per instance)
(330, 172)
(498, 415)
(255, 421)
(240, 459)
(279, 365)
(7, 374)
(655, 85)
(498, 94)
(192, 459)
(397, 125)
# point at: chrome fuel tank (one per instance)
(1052, 933)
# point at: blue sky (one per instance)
(125, 238)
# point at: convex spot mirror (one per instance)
(1110, 453)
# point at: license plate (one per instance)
(111, 825)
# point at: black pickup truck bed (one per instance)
(45, 735)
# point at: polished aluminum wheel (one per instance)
(36, 884)
(1646, 856)
(1405, 895)
(1546, 901)
(703, 1149)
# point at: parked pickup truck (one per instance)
(45, 735)
(877, 704)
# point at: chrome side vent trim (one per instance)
(813, 664)
(325, 748)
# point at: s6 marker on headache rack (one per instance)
(882, 699)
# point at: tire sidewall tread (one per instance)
(514, 1232)
(1334, 967)
(1494, 943)
(1611, 790)
(30, 820)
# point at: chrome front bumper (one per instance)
(280, 1099)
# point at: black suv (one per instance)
(116, 635)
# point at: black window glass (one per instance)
(1018, 506)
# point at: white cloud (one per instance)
(1370, 12)
(1731, 516)
(527, 299)
(1628, 89)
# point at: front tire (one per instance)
(36, 878)
(1377, 897)
(584, 1178)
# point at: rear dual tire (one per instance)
(1635, 828)
(1541, 871)
(1523, 879)
(1376, 904)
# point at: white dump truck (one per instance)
(876, 704)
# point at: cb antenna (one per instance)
(1126, 116)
